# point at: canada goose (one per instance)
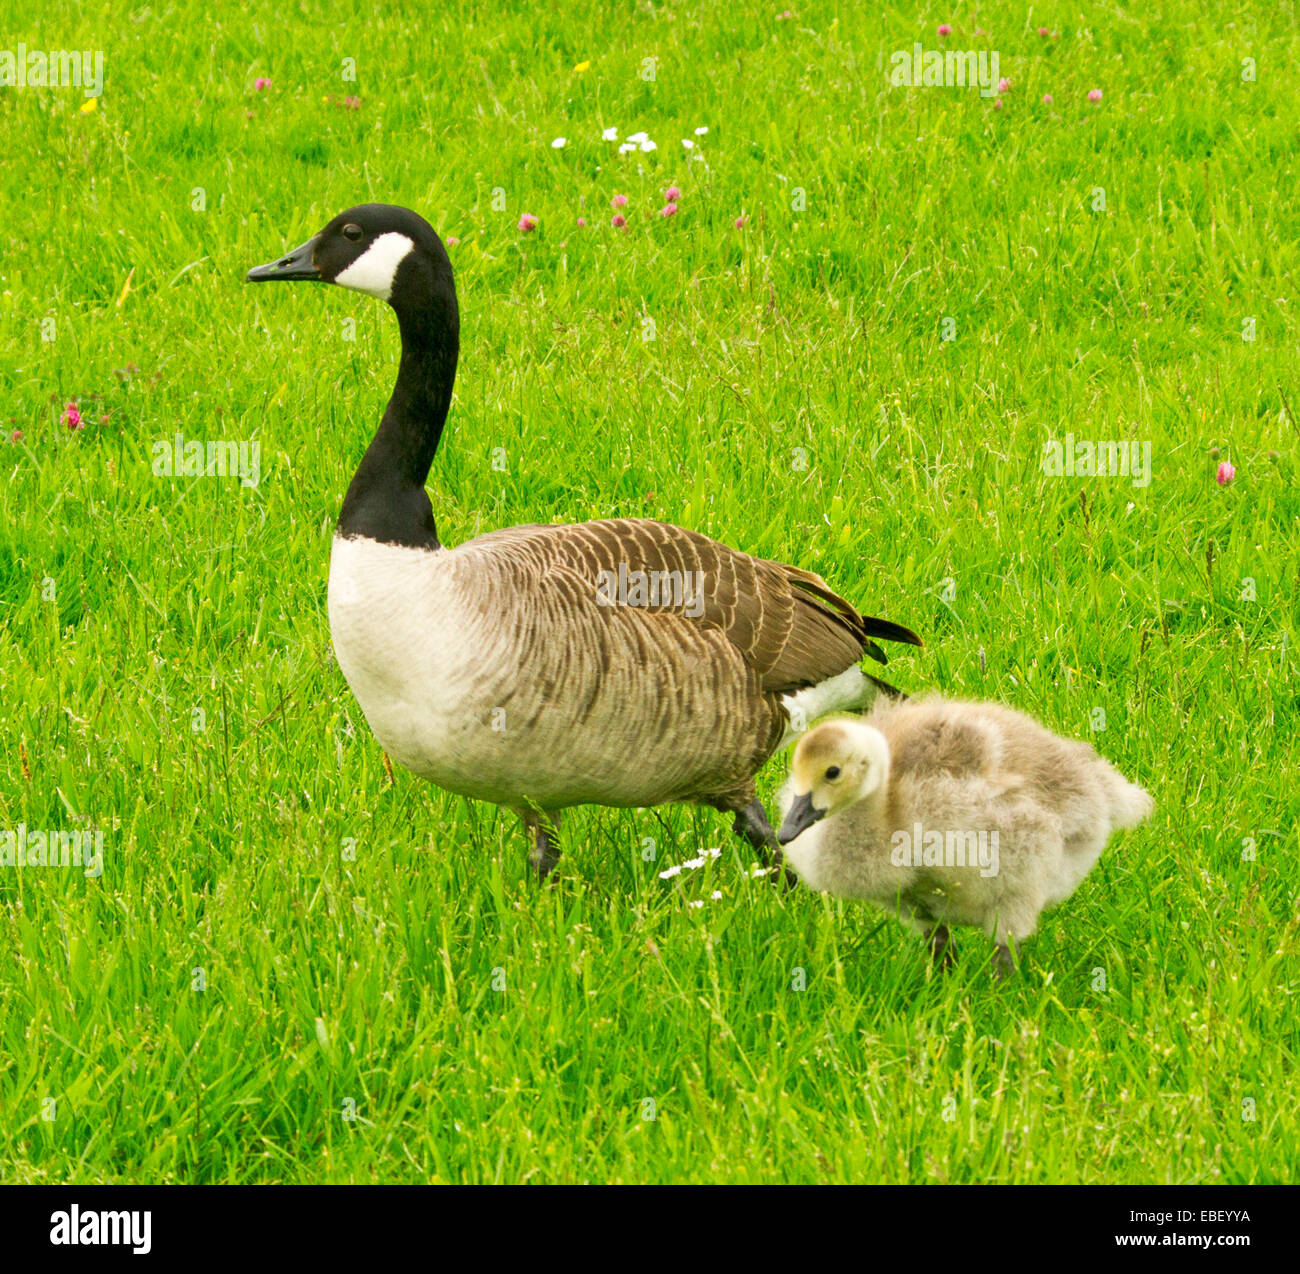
(622, 662)
(951, 813)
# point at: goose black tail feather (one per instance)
(863, 627)
(885, 688)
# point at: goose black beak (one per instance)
(801, 816)
(297, 265)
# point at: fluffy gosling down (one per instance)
(950, 812)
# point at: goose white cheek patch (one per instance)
(374, 270)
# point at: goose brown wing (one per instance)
(790, 627)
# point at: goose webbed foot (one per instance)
(544, 832)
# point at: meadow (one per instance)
(851, 347)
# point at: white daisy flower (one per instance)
(703, 128)
(716, 895)
(559, 143)
(649, 145)
(625, 147)
(692, 863)
(686, 141)
(698, 902)
(637, 137)
(610, 135)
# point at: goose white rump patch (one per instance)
(376, 268)
(849, 690)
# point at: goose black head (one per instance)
(387, 251)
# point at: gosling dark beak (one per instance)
(297, 265)
(801, 816)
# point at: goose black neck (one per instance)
(386, 500)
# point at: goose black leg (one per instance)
(544, 831)
(751, 823)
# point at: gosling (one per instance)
(951, 813)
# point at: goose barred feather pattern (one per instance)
(790, 628)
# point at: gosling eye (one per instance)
(833, 773)
(352, 231)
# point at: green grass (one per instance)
(173, 686)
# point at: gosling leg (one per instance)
(544, 831)
(940, 942)
(1004, 965)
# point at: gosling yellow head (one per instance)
(836, 764)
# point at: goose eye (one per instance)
(833, 772)
(352, 231)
